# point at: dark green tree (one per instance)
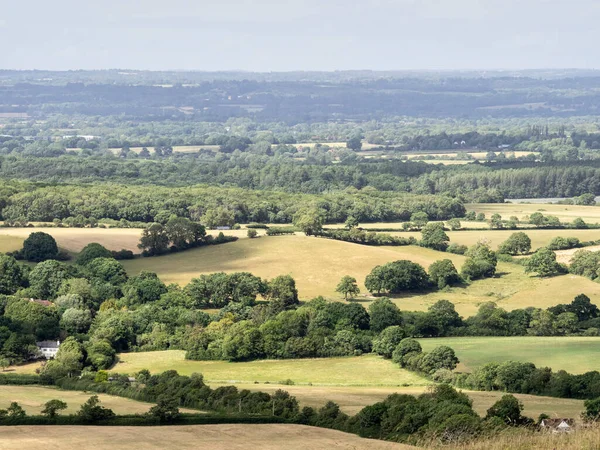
(39, 246)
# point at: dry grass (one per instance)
(566, 213)
(74, 239)
(316, 264)
(520, 439)
(213, 437)
(33, 398)
(565, 256)
(367, 370)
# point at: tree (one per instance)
(107, 270)
(481, 262)
(419, 219)
(91, 411)
(354, 143)
(496, 221)
(39, 247)
(434, 236)
(183, 233)
(4, 363)
(443, 273)
(166, 409)
(592, 409)
(396, 277)
(383, 313)
(442, 357)
(508, 408)
(46, 279)
(516, 244)
(91, 251)
(218, 217)
(310, 221)
(543, 262)
(351, 222)
(388, 340)
(76, 320)
(282, 293)
(52, 407)
(406, 347)
(454, 224)
(578, 223)
(154, 240)
(348, 286)
(537, 219)
(143, 288)
(15, 411)
(12, 275)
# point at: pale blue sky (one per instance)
(282, 35)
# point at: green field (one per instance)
(573, 354)
(350, 371)
(32, 399)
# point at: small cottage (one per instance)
(558, 425)
(48, 349)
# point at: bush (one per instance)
(252, 233)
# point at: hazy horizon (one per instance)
(304, 35)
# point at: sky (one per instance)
(284, 35)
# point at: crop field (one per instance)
(214, 437)
(566, 213)
(33, 398)
(350, 371)
(574, 354)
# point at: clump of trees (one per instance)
(396, 277)
(517, 244)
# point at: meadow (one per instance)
(215, 437)
(576, 354)
(370, 370)
(33, 398)
(352, 382)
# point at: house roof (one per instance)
(41, 302)
(48, 344)
(555, 423)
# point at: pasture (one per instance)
(350, 371)
(33, 398)
(577, 354)
(214, 437)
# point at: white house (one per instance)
(49, 349)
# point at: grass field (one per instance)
(351, 371)
(566, 213)
(32, 399)
(316, 264)
(573, 354)
(213, 437)
(352, 382)
(353, 398)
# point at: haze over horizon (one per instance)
(306, 35)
